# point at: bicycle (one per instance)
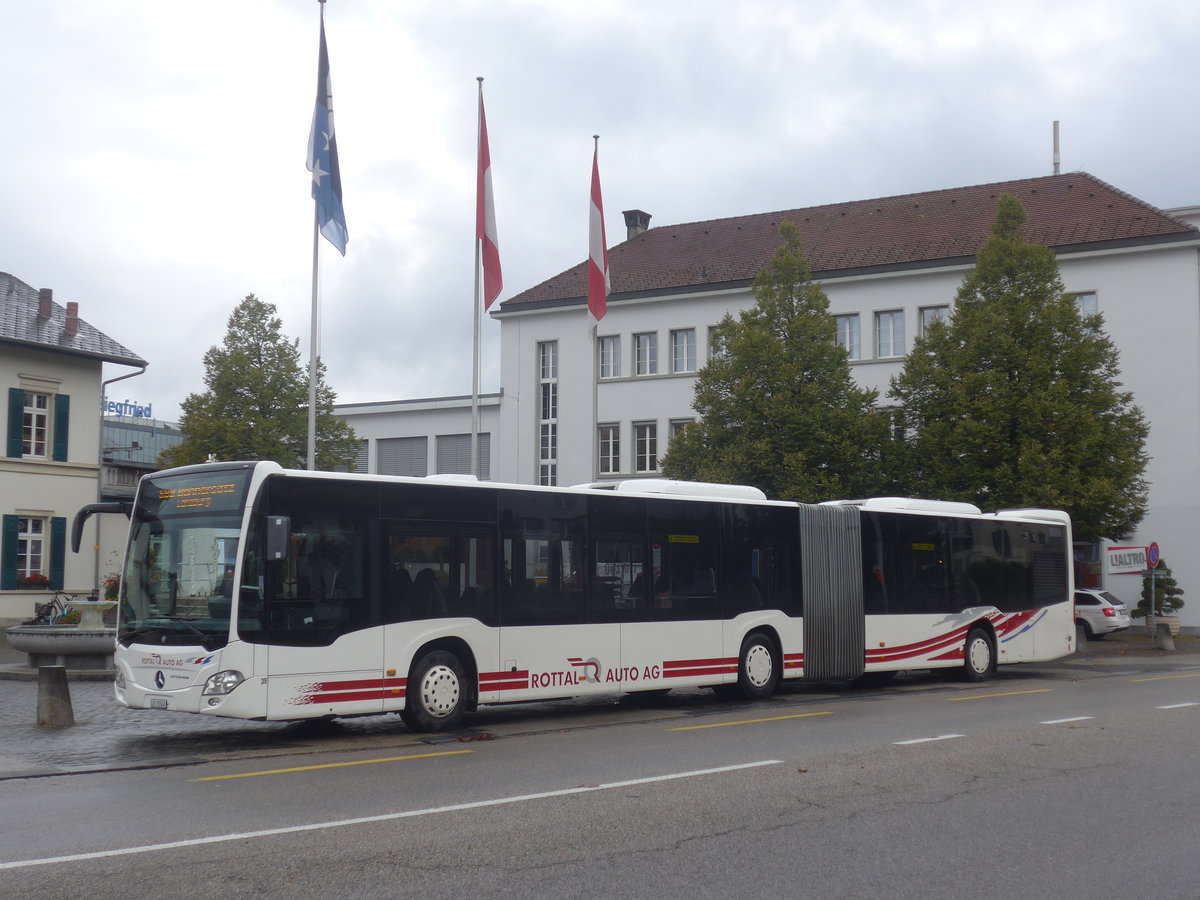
(52, 611)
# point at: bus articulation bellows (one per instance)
(259, 593)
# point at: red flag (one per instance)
(485, 216)
(598, 285)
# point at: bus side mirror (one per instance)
(279, 529)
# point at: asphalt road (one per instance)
(1063, 781)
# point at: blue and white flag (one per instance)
(323, 158)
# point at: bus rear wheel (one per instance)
(979, 660)
(436, 695)
(758, 667)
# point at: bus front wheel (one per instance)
(979, 661)
(436, 693)
(758, 667)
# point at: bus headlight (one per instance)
(119, 679)
(223, 682)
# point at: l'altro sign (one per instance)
(1126, 560)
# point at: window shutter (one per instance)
(8, 552)
(16, 422)
(402, 456)
(62, 424)
(58, 551)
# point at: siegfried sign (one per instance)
(1126, 560)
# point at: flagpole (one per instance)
(595, 366)
(315, 318)
(477, 304)
(597, 299)
(314, 341)
(329, 219)
(595, 323)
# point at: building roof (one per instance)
(20, 324)
(1069, 213)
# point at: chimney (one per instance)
(72, 326)
(636, 222)
(45, 304)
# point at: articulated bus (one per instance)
(260, 593)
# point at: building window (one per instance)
(38, 422)
(718, 344)
(1086, 304)
(677, 426)
(645, 440)
(645, 353)
(931, 314)
(453, 455)
(683, 350)
(847, 335)
(402, 456)
(610, 357)
(889, 334)
(609, 437)
(36, 425)
(31, 546)
(548, 413)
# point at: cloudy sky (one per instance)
(154, 169)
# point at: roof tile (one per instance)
(19, 324)
(1064, 211)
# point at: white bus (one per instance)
(259, 593)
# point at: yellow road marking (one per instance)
(360, 762)
(1005, 694)
(1167, 677)
(750, 721)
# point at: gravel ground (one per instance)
(1134, 642)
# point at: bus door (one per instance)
(439, 582)
(549, 644)
(324, 646)
(683, 634)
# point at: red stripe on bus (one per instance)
(718, 669)
(347, 685)
(956, 653)
(1004, 626)
(502, 676)
(506, 686)
(348, 696)
(692, 663)
(920, 648)
(504, 681)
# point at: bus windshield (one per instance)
(179, 566)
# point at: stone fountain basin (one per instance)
(64, 645)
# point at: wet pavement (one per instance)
(106, 736)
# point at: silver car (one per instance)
(1099, 613)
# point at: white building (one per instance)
(570, 414)
(51, 366)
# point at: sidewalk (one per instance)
(107, 736)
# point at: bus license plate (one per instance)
(158, 702)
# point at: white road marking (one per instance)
(1177, 706)
(1063, 721)
(386, 817)
(944, 737)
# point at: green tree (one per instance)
(1016, 400)
(256, 405)
(1168, 595)
(777, 407)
